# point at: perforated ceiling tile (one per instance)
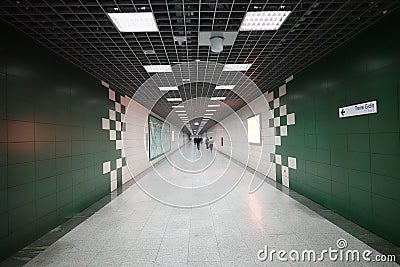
(81, 32)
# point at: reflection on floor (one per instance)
(136, 230)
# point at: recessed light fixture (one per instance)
(180, 111)
(263, 20)
(185, 80)
(196, 123)
(178, 106)
(173, 99)
(226, 87)
(134, 22)
(221, 98)
(236, 67)
(149, 52)
(213, 106)
(182, 115)
(211, 110)
(158, 68)
(169, 88)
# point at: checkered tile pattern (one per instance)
(114, 124)
(281, 122)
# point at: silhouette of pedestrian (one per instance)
(211, 144)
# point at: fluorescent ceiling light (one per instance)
(218, 98)
(169, 88)
(208, 114)
(134, 22)
(178, 106)
(211, 110)
(180, 111)
(196, 123)
(213, 106)
(173, 99)
(226, 87)
(264, 20)
(158, 68)
(149, 52)
(236, 67)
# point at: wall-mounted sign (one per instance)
(358, 109)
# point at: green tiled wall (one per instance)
(51, 143)
(350, 165)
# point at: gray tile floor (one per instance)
(136, 230)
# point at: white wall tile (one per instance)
(277, 122)
(125, 101)
(282, 110)
(282, 90)
(283, 131)
(113, 175)
(285, 179)
(118, 144)
(117, 107)
(277, 140)
(276, 103)
(105, 124)
(118, 126)
(106, 167)
(269, 96)
(113, 185)
(292, 162)
(291, 119)
(289, 79)
(278, 159)
(113, 135)
(119, 163)
(111, 94)
(105, 84)
(112, 114)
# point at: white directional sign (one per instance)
(358, 109)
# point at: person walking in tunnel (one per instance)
(207, 142)
(198, 141)
(211, 144)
